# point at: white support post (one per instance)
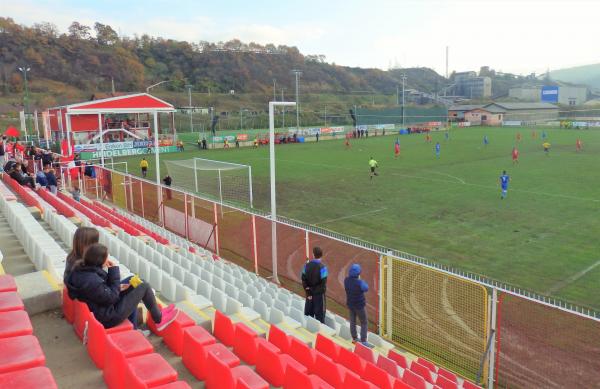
(250, 180)
(381, 302)
(307, 243)
(69, 134)
(142, 198)
(101, 139)
(156, 162)
(220, 192)
(272, 176)
(196, 174)
(492, 363)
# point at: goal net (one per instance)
(222, 181)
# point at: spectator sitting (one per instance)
(83, 237)
(24, 165)
(51, 178)
(8, 166)
(109, 300)
(40, 179)
(17, 174)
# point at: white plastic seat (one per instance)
(204, 288)
(231, 291)
(261, 308)
(155, 277)
(297, 316)
(252, 291)
(281, 306)
(191, 281)
(275, 316)
(233, 306)
(200, 301)
(178, 273)
(218, 299)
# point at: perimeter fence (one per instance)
(484, 330)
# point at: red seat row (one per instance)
(125, 355)
(153, 235)
(61, 207)
(114, 220)
(94, 217)
(22, 361)
(24, 193)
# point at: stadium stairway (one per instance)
(16, 261)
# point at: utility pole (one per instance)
(24, 70)
(112, 83)
(241, 119)
(274, 89)
(326, 116)
(446, 62)
(297, 73)
(397, 95)
(283, 111)
(403, 76)
(189, 88)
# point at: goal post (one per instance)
(222, 181)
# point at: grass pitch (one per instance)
(544, 236)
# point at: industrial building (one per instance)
(468, 84)
(563, 95)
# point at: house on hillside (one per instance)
(495, 114)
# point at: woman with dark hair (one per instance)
(101, 291)
(84, 236)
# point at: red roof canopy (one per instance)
(134, 103)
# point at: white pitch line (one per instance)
(569, 280)
(350, 216)
(448, 175)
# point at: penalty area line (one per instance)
(570, 280)
(349, 216)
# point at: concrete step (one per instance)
(40, 291)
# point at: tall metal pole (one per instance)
(283, 112)
(272, 105)
(274, 90)
(403, 81)
(297, 73)
(397, 95)
(190, 105)
(24, 70)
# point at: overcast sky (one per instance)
(520, 36)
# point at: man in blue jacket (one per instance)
(355, 300)
(314, 282)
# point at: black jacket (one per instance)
(314, 277)
(99, 289)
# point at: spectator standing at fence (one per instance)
(167, 181)
(314, 282)
(97, 282)
(204, 144)
(51, 179)
(144, 167)
(356, 302)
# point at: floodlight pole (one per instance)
(403, 81)
(297, 73)
(272, 105)
(157, 161)
(189, 88)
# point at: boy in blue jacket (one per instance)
(355, 300)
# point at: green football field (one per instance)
(544, 236)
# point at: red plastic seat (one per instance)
(224, 329)
(14, 323)
(295, 379)
(173, 334)
(119, 347)
(447, 374)
(445, 383)
(327, 347)
(414, 380)
(352, 361)
(96, 344)
(271, 365)
(365, 353)
(302, 353)
(68, 306)
(470, 385)
(378, 376)
(197, 355)
(7, 283)
(333, 373)
(224, 377)
(10, 301)
(245, 344)
(422, 371)
(174, 385)
(20, 352)
(388, 365)
(399, 384)
(194, 338)
(224, 356)
(148, 370)
(36, 377)
(81, 317)
(398, 358)
(353, 381)
(279, 339)
(430, 365)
